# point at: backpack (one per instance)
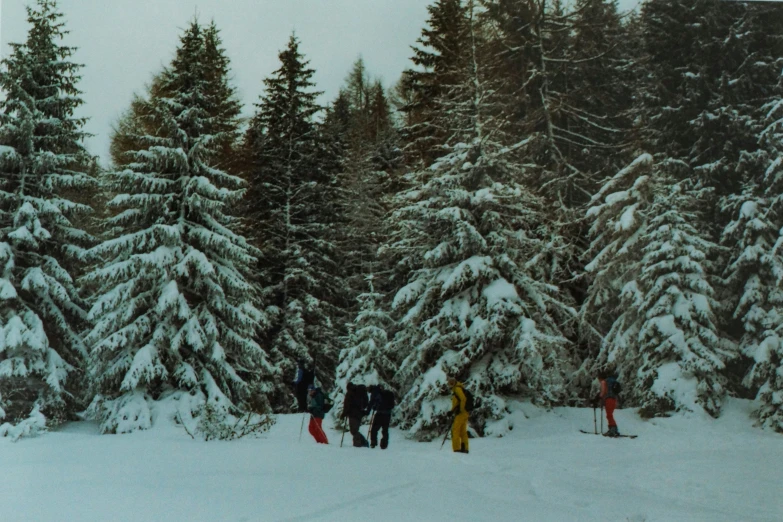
(613, 386)
(470, 402)
(387, 400)
(359, 399)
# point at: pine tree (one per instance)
(569, 88)
(386, 155)
(292, 190)
(222, 98)
(679, 336)
(358, 127)
(41, 157)
(439, 57)
(175, 314)
(652, 277)
(704, 66)
(754, 272)
(224, 107)
(619, 217)
(566, 72)
(366, 357)
(707, 64)
(468, 238)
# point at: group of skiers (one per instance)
(356, 406)
(380, 403)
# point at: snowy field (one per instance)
(679, 469)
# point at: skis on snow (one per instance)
(605, 435)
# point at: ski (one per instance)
(605, 435)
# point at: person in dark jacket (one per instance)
(354, 409)
(304, 378)
(382, 401)
(315, 405)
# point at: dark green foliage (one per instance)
(42, 163)
(175, 309)
(293, 206)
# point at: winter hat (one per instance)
(311, 387)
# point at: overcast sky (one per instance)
(122, 43)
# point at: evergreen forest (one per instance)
(550, 190)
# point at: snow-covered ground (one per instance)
(679, 469)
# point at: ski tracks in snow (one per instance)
(352, 502)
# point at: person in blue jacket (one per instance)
(305, 377)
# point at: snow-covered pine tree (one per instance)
(224, 107)
(41, 157)
(618, 217)
(293, 203)
(566, 71)
(753, 275)
(366, 358)
(358, 127)
(755, 272)
(705, 65)
(175, 314)
(471, 240)
(682, 352)
(652, 273)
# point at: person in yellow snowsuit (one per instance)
(459, 429)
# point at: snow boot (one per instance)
(612, 432)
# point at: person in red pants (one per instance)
(609, 395)
(315, 405)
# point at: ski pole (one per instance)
(448, 430)
(369, 428)
(345, 421)
(595, 423)
(301, 428)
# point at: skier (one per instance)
(609, 397)
(304, 378)
(315, 405)
(354, 408)
(382, 401)
(459, 428)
